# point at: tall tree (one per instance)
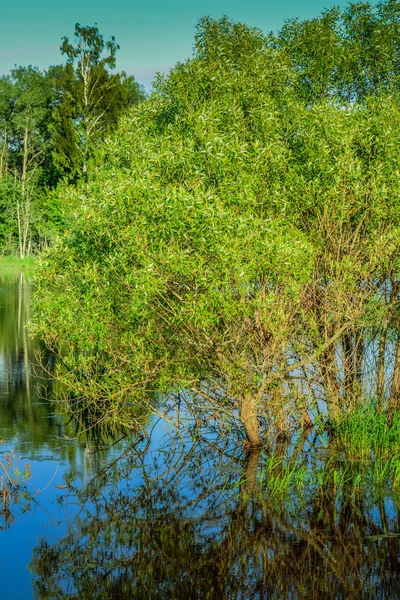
(32, 109)
(6, 110)
(6, 181)
(25, 110)
(91, 98)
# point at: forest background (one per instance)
(51, 123)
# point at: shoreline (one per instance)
(14, 263)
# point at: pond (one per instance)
(177, 512)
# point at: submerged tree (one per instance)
(238, 241)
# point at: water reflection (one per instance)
(182, 513)
(34, 428)
(27, 419)
(199, 521)
(31, 422)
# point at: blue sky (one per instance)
(153, 35)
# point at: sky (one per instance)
(153, 36)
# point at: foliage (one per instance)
(25, 112)
(238, 241)
(50, 124)
(349, 54)
(8, 221)
(90, 98)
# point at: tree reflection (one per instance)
(195, 520)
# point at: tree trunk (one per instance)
(381, 365)
(382, 342)
(4, 154)
(348, 364)
(395, 392)
(327, 361)
(250, 482)
(23, 212)
(329, 375)
(359, 357)
(19, 217)
(248, 415)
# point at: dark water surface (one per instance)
(181, 513)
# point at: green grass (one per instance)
(368, 434)
(15, 264)
(362, 459)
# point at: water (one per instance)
(32, 427)
(177, 514)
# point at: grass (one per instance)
(14, 264)
(362, 458)
(368, 434)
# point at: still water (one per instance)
(38, 434)
(176, 513)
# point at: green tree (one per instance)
(7, 193)
(181, 273)
(25, 109)
(235, 241)
(31, 142)
(348, 54)
(91, 98)
(6, 110)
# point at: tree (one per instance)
(7, 222)
(25, 109)
(349, 54)
(33, 100)
(237, 239)
(195, 298)
(91, 98)
(6, 109)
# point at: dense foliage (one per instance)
(50, 125)
(240, 236)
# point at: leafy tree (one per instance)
(6, 109)
(7, 192)
(33, 101)
(25, 109)
(349, 54)
(135, 92)
(235, 241)
(91, 98)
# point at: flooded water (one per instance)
(178, 513)
(38, 434)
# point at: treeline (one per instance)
(51, 123)
(240, 236)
